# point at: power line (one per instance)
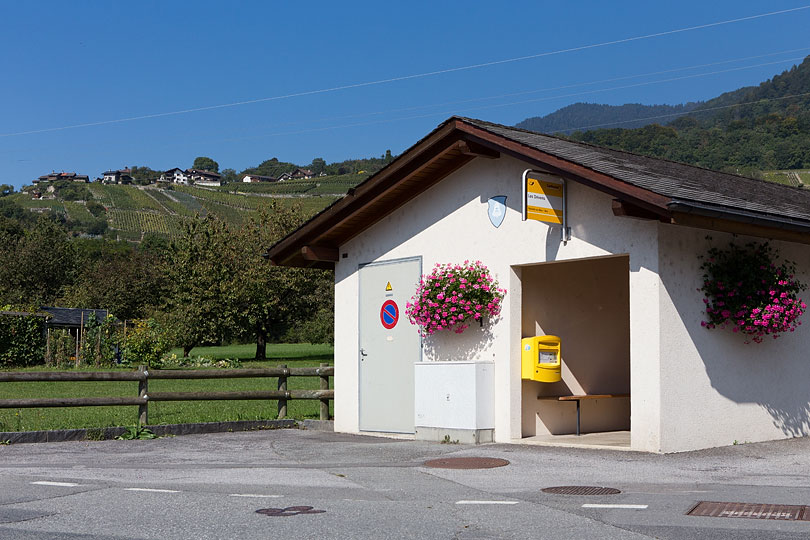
(412, 76)
(509, 104)
(575, 85)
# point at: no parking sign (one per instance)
(389, 314)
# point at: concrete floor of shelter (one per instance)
(612, 440)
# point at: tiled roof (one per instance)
(647, 187)
(684, 184)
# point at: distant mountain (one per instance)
(581, 116)
(747, 130)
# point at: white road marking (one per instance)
(153, 490)
(60, 484)
(487, 502)
(623, 506)
(255, 495)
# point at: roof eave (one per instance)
(736, 221)
(287, 251)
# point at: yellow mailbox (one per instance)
(540, 358)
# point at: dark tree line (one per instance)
(207, 286)
(753, 128)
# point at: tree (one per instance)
(95, 208)
(205, 164)
(268, 300)
(35, 267)
(201, 274)
(318, 165)
(228, 176)
(144, 175)
(6, 189)
(130, 283)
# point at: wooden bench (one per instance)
(579, 398)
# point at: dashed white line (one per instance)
(153, 490)
(622, 506)
(255, 495)
(60, 484)
(487, 502)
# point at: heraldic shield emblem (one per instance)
(497, 210)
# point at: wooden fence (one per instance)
(143, 375)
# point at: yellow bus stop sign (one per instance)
(543, 198)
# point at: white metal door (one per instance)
(389, 345)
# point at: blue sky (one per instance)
(71, 63)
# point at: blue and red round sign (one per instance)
(389, 314)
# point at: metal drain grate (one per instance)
(466, 463)
(784, 512)
(289, 511)
(581, 490)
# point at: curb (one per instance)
(102, 434)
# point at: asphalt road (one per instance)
(211, 486)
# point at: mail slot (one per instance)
(540, 358)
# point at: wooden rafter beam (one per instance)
(320, 253)
(469, 148)
(626, 209)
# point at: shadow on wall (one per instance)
(773, 374)
(447, 346)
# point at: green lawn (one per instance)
(315, 352)
(293, 355)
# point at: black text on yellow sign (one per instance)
(544, 199)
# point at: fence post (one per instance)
(282, 385)
(143, 389)
(324, 402)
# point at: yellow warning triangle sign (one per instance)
(389, 287)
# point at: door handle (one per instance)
(363, 352)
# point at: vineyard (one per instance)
(100, 194)
(132, 211)
(171, 205)
(246, 202)
(224, 212)
(78, 212)
(276, 188)
(331, 185)
(131, 198)
(190, 205)
(147, 222)
(788, 177)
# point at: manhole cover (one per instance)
(466, 463)
(289, 511)
(581, 490)
(785, 512)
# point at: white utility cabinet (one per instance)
(454, 399)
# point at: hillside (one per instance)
(582, 115)
(129, 212)
(749, 130)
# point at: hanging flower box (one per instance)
(745, 289)
(453, 296)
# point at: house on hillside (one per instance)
(284, 177)
(121, 176)
(175, 176)
(56, 176)
(600, 248)
(204, 178)
(255, 178)
(302, 174)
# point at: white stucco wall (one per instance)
(449, 223)
(715, 389)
